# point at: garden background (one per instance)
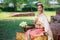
(10, 25)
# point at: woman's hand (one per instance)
(45, 33)
(39, 25)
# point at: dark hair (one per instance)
(39, 4)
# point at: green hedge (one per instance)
(9, 9)
(1, 7)
(0, 10)
(52, 8)
(29, 8)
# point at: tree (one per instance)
(17, 3)
(58, 1)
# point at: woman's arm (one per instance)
(36, 19)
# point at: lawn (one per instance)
(6, 15)
(8, 28)
(10, 25)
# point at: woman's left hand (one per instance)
(45, 33)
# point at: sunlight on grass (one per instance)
(5, 15)
(49, 14)
(12, 18)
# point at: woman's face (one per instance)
(40, 8)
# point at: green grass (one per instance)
(8, 28)
(6, 15)
(49, 14)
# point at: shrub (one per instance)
(29, 8)
(9, 9)
(50, 9)
(1, 7)
(0, 10)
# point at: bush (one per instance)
(1, 7)
(58, 8)
(0, 10)
(9, 9)
(50, 9)
(29, 9)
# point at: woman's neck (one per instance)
(41, 12)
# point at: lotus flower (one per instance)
(23, 24)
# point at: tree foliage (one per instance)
(17, 3)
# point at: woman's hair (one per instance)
(39, 4)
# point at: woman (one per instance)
(41, 25)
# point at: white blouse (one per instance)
(42, 18)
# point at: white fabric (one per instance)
(42, 18)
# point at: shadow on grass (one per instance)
(8, 28)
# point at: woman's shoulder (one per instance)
(44, 15)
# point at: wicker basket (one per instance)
(20, 36)
(41, 38)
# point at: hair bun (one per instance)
(39, 4)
